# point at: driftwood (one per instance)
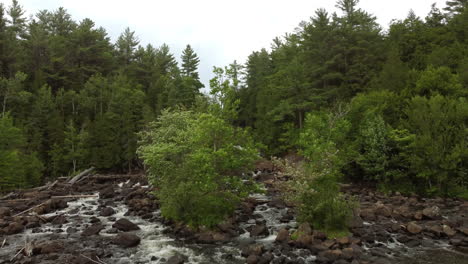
(27, 249)
(25, 211)
(8, 196)
(92, 260)
(80, 175)
(19, 252)
(75, 196)
(14, 200)
(3, 244)
(109, 177)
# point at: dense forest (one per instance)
(385, 108)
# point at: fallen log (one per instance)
(80, 175)
(8, 196)
(109, 177)
(92, 260)
(14, 200)
(75, 196)
(27, 210)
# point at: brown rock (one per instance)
(403, 211)
(328, 243)
(418, 215)
(383, 210)
(448, 231)
(368, 214)
(413, 228)
(206, 237)
(343, 241)
(252, 259)
(220, 237)
(13, 228)
(304, 240)
(4, 211)
(431, 212)
(50, 247)
(436, 230)
(463, 230)
(283, 236)
(348, 253)
(256, 250)
(333, 254)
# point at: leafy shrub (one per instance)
(314, 185)
(195, 161)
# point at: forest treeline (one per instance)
(71, 99)
(384, 107)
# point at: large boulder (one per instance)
(127, 240)
(125, 225)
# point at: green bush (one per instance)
(314, 189)
(195, 161)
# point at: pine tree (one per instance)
(190, 62)
(126, 45)
(18, 21)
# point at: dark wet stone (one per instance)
(126, 240)
(92, 230)
(259, 230)
(177, 259)
(107, 211)
(125, 225)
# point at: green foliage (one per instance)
(373, 148)
(325, 207)
(439, 150)
(18, 169)
(315, 188)
(195, 161)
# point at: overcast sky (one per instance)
(220, 31)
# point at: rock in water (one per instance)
(259, 230)
(107, 211)
(125, 225)
(93, 230)
(283, 236)
(127, 240)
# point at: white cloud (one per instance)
(220, 31)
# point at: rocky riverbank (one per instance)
(114, 219)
